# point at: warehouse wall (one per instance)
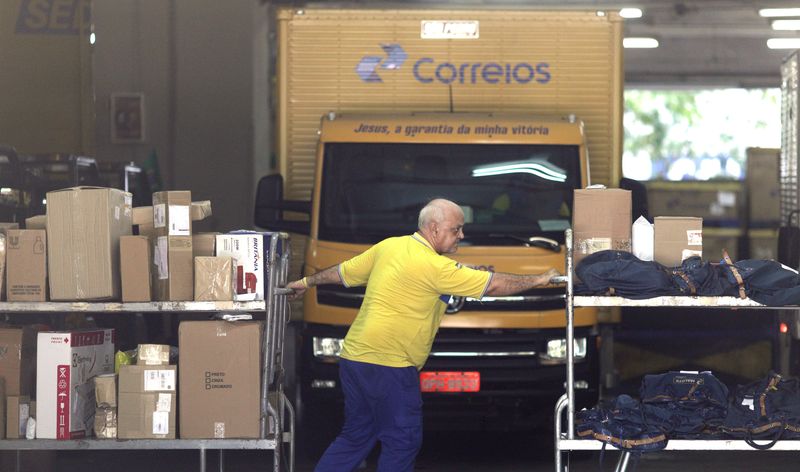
(193, 61)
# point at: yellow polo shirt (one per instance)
(408, 284)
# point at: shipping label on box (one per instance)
(172, 214)
(67, 363)
(26, 265)
(251, 251)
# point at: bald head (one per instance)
(436, 211)
(441, 222)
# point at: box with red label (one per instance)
(66, 364)
(251, 252)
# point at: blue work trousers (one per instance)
(381, 404)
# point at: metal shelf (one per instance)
(100, 307)
(109, 444)
(685, 445)
(674, 302)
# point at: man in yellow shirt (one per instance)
(409, 280)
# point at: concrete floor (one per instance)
(441, 452)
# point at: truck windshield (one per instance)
(371, 191)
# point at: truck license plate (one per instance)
(450, 381)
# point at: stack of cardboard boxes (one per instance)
(85, 249)
(602, 220)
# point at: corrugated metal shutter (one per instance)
(324, 47)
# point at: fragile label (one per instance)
(179, 220)
(159, 215)
(156, 380)
(164, 402)
(160, 258)
(694, 237)
(160, 422)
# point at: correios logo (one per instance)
(428, 70)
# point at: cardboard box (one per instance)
(147, 408)
(17, 414)
(152, 354)
(718, 203)
(601, 221)
(84, 226)
(105, 390)
(763, 244)
(105, 422)
(4, 227)
(763, 187)
(214, 278)
(715, 240)
(18, 360)
(204, 244)
(26, 265)
(2, 267)
(677, 238)
(220, 379)
(198, 211)
(251, 252)
(36, 222)
(173, 275)
(135, 269)
(66, 363)
(172, 214)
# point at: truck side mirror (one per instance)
(270, 206)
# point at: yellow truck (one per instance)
(505, 113)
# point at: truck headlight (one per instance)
(557, 351)
(327, 349)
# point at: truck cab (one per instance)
(496, 359)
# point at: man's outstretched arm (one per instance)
(326, 276)
(508, 284)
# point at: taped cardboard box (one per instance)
(147, 407)
(152, 354)
(84, 226)
(66, 364)
(198, 211)
(677, 238)
(601, 221)
(18, 359)
(105, 390)
(204, 244)
(135, 262)
(17, 414)
(36, 222)
(26, 265)
(173, 276)
(214, 278)
(220, 379)
(105, 422)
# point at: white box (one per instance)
(249, 251)
(66, 363)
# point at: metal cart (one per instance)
(565, 432)
(274, 404)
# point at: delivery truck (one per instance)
(504, 112)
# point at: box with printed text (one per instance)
(66, 364)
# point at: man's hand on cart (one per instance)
(298, 288)
(554, 277)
